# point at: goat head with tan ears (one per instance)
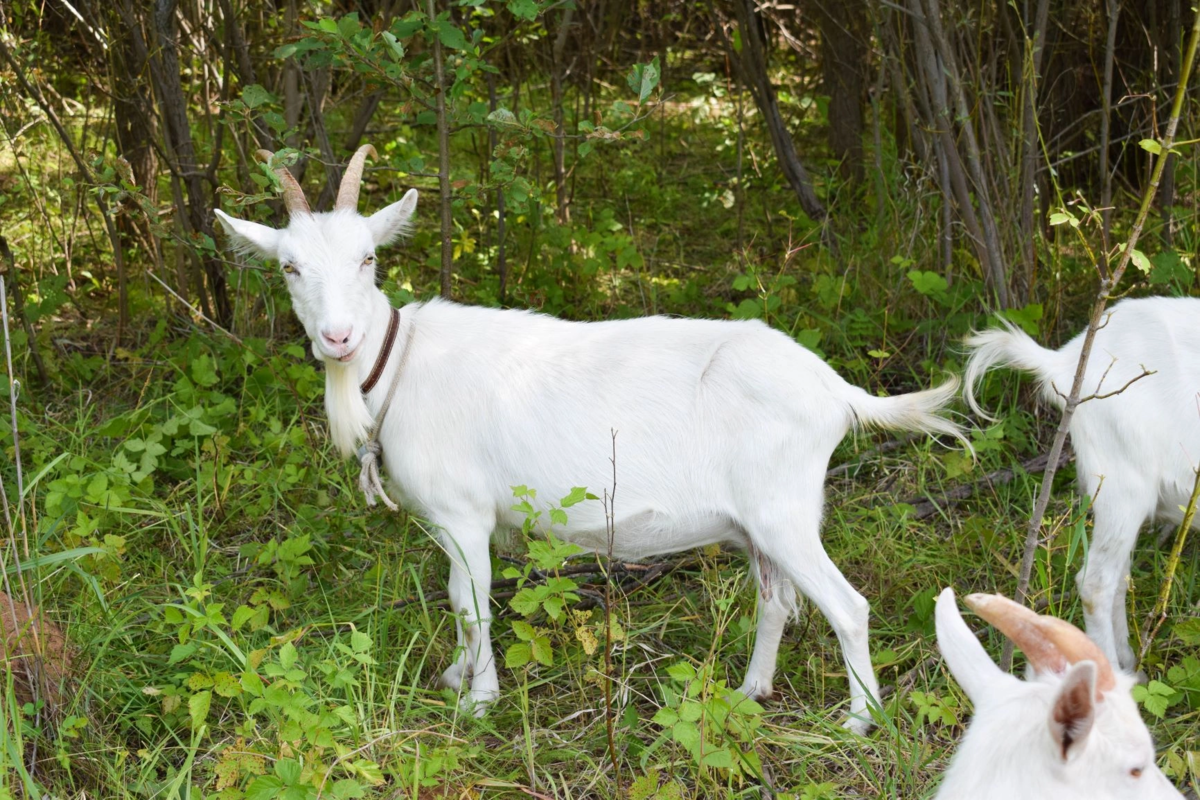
(1070, 732)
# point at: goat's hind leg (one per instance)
(776, 605)
(1104, 580)
(788, 535)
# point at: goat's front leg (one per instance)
(469, 588)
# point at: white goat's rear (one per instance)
(1070, 732)
(1135, 450)
(724, 432)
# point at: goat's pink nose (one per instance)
(337, 337)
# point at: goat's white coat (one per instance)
(1013, 746)
(724, 432)
(1135, 452)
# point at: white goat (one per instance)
(724, 429)
(1135, 450)
(1070, 732)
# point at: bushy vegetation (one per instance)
(239, 625)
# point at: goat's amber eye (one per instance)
(368, 261)
(1136, 772)
(290, 269)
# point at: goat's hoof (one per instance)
(479, 699)
(757, 692)
(452, 678)
(859, 724)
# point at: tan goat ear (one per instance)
(1074, 709)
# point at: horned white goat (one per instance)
(724, 429)
(1070, 732)
(1135, 450)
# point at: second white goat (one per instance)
(1137, 442)
(724, 429)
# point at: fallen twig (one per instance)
(927, 506)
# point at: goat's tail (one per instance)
(918, 411)
(1008, 346)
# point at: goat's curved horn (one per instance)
(1050, 644)
(348, 190)
(293, 195)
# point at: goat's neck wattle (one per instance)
(349, 417)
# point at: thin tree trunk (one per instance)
(1029, 140)
(558, 69)
(843, 62)
(1113, 7)
(178, 131)
(501, 260)
(443, 130)
(753, 63)
(995, 272)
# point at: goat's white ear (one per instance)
(1074, 709)
(395, 220)
(969, 663)
(250, 237)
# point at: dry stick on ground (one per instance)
(927, 506)
(1159, 615)
(1108, 282)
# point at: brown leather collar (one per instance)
(381, 360)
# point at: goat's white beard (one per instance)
(349, 418)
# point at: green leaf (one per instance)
(264, 787)
(553, 607)
(721, 759)
(1140, 261)
(687, 735)
(288, 770)
(523, 9)
(523, 630)
(518, 655)
(1169, 267)
(288, 655)
(690, 711)
(393, 44)
(451, 36)
(198, 705)
(226, 685)
(682, 671)
(241, 617)
(347, 788)
(254, 96)
(576, 496)
(1151, 146)
(349, 25)
(1060, 217)
(542, 652)
(666, 717)
(929, 284)
(360, 642)
(181, 651)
